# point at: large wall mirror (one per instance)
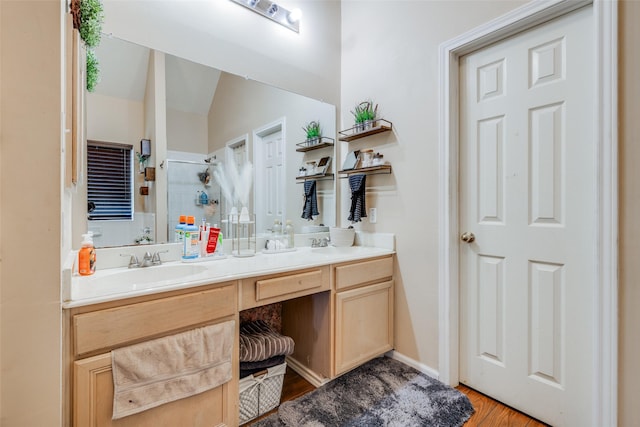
(200, 119)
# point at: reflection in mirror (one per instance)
(210, 118)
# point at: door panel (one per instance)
(527, 180)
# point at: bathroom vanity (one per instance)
(337, 305)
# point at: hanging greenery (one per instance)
(93, 70)
(91, 18)
(88, 16)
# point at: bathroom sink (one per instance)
(140, 278)
(335, 250)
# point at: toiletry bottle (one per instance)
(212, 240)
(288, 231)
(191, 244)
(204, 198)
(87, 256)
(219, 247)
(202, 239)
(179, 230)
(277, 227)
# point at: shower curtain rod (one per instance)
(189, 162)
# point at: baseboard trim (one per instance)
(306, 373)
(427, 370)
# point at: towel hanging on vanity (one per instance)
(162, 370)
(310, 207)
(358, 210)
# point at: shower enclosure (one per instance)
(192, 191)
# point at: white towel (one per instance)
(162, 370)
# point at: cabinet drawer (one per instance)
(266, 290)
(363, 272)
(105, 329)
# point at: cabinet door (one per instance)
(364, 324)
(93, 402)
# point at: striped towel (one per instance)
(358, 209)
(259, 342)
(310, 207)
(250, 368)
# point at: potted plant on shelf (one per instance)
(365, 115)
(312, 129)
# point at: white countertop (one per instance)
(119, 283)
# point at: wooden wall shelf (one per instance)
(316, 177)
(373, 170)
(379, 126)
(322, 143)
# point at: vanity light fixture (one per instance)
(273, 9)
(274, 12)
(294, 15)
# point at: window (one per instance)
(109, 180)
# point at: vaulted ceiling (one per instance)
(124, 68)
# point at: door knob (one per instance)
(467, 237)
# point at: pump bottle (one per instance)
(179, 230)
(87, 256)
(288, 231)
(191, 245)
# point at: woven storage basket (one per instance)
(260, 394)
(342, 236)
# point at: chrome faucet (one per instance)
(321, 242)
(133, 261)
(155, 259)
(147, 260)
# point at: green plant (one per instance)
(141, 158)
(91, 18)
(93, 70)
(312, 130)
(364, 111)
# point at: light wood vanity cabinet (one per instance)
(340, 316)
(363, 312)
(96, 330)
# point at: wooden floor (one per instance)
(293, 387)
(489, 413)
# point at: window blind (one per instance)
(109, 180)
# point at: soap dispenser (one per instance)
(204, 198)
(87, 256)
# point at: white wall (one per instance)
(114, 119)
(187, 132)
(390, 54)
(629, 100)
(30, 227)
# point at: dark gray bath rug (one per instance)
(382, 392)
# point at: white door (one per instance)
(270, 192)
(527, 194)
